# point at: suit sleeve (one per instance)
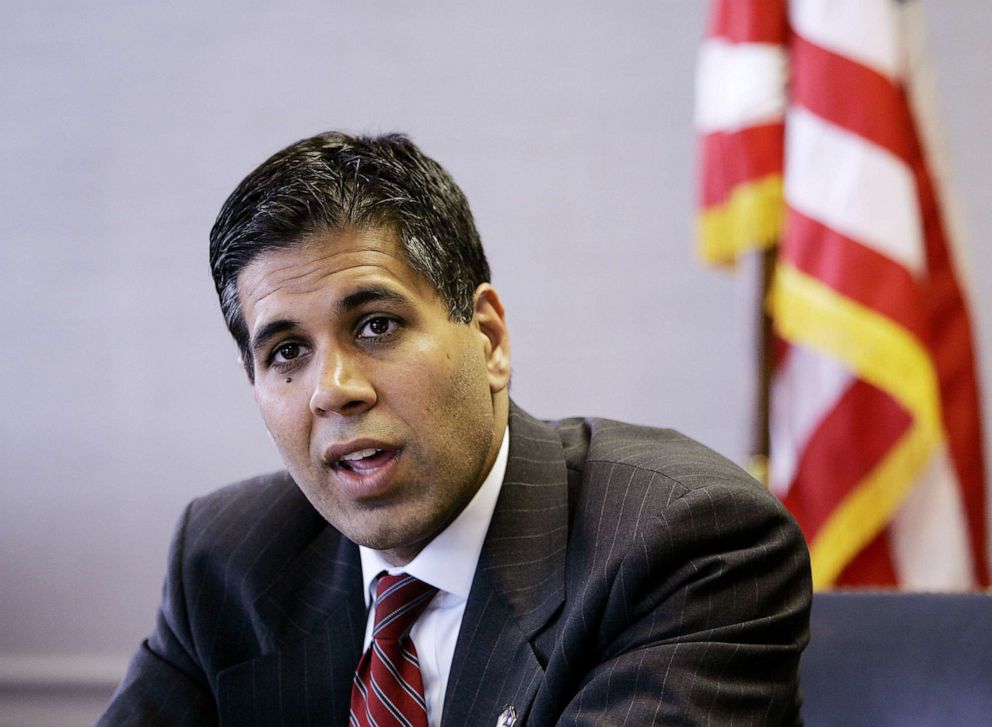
(164, 685)
(705, 618)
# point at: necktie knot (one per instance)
(399, 601)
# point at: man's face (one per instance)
(387, 414)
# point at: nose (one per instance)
(343, 387)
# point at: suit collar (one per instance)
(519, 584)
(524, 553)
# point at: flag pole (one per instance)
(760, 435)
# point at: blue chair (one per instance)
(880, 658)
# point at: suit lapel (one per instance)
(312, 622)
(519, 583)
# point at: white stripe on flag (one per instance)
(864, 30)
(853, 187)
(804, 391)
(739, 84)
(929, 533)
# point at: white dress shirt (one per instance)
(448, 563)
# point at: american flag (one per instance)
(818, 135)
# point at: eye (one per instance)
(287, 353)
(377, 327)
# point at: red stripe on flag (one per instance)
(853, 437)
(858, 272)
(873, 566)
(732, 158)
(852, 96)
(749, 21)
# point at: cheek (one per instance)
(462, 392)
(449, 376)
(286, 415)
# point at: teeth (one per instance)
(361, 454)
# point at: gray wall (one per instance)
(125, 125)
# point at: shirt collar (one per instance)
(448, 561)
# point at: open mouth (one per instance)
(365, 460)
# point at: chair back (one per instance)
(880, 658)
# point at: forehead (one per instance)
(327, 263)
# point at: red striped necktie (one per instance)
(388, 689)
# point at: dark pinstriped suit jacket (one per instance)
(630, 576)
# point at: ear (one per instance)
(490, 319)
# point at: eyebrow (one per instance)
(370, 294)
(363, 296)
(270, 329)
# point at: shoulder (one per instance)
(240, 527)
(635, 485)
(263, 505)
(677, 563)
(607, 451)
(275, 490)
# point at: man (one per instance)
(581, 572)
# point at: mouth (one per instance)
(365, 468)
(365, 460)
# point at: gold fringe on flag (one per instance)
(750, 219)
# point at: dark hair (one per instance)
(334, 181)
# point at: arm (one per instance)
(164, 684)
(705, 619)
